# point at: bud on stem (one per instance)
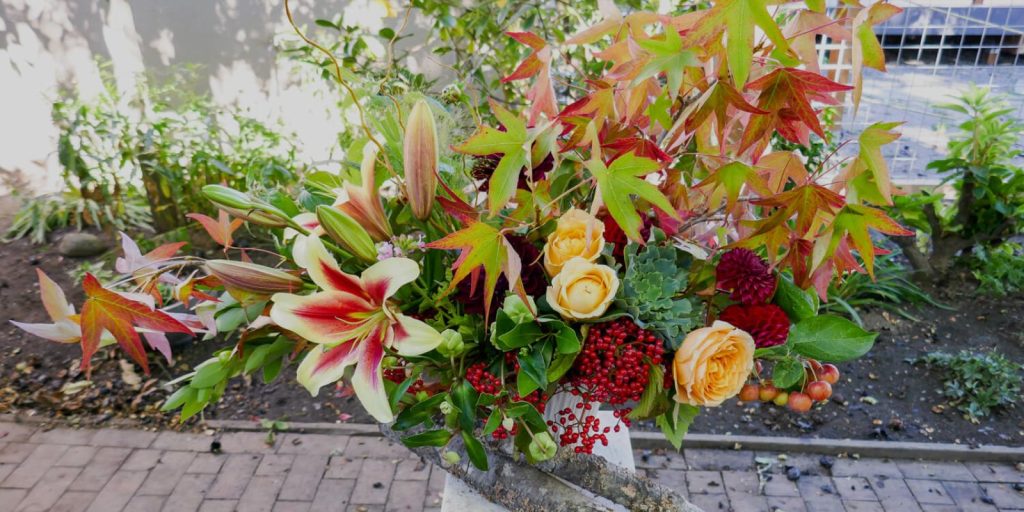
(253, 278)
(243, 206)
(421, 159)
(348, 233)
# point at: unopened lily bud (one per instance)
(253, 278)
(243, 206)
(348, 233)
(451, 343)
(421, 159)
(542, 447)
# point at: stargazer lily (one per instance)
(353, 323)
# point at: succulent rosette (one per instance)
(633, 243)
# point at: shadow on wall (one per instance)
(49, 44)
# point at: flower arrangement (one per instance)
(631, 240)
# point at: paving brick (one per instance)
(144, 504)
(862, 506)
(218, 506)
(77, 456)
(164, 477)
(786, 504)
(103, 466)
(177, 441)
(816, 487)
(901, 505)
(407, 496)
(412, 469)
(35, 465)
(188, 494)
(704, 482)
(304, 477)
(941, 508)
(824, 504)
(118, 491)
(969, 496)
(273, 465)
(48, 490)
(312, 444)
(260, 494)
(995, 472)
(332, 495)
(343, 467)
(15, 433)
(929, 470)
(744, 501)
(437, 476)
(374, 447)
(929, 492)
(142, 460)
(866, 468)
(719, 460)
(123, 438)
(292, 506)
(740, 482)
(6, 469)
(1004, 496)
(649, 460)
(14, 453)
(245, 442)
(62, 436)
(374, 482)
(808, 464)
(710, 502)
(779, 485)
(73, 501)
(890, 489)
(234, 477)
(671, 478)
(12, 495)
(854, 488)
(364, 508)
(206, 463)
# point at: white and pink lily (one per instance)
(353, 323)
(65, 327)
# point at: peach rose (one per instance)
(578, 234)
(712, 364)
(582, 290)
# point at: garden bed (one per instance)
(881, 396)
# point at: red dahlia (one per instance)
(766, 323)
(746, 275)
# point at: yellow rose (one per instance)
(712, 364)
(582, 290)
(578, 234)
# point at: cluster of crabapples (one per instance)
(816, 386)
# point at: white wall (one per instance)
(48, 43)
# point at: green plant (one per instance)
(272, 427)
(977, 383)
(43, 214)
(989, 207)
(890, 290)
(818, 149)
(652, 290)
(999, 270)
(97, 268)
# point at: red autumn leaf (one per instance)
(106, 310)
(538, 63)
(717, 100)
(220, 230)
(805, 202)
(786, 95)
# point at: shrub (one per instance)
(977, 383)
(1000, 270)
(891, 290)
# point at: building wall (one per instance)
(47, 44)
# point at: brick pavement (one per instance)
(64, 470)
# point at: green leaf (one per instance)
(512, 144)
(519, 336)
(621, 182)
(528, 413)
(676, 422)
(787, 373)
(654, 396)
(437, 438)
(668, 56)
(209, 374)
(493, 422)
(475, 450)
(830, 338)
(419, 412)
(533, 367)
(797, 303)
(179, 398)
(465, 396)
(566, 339)
(560, 365)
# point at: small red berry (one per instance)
(750, 393)
(819, 390)
(781, 399)
(768, 392)
(799, 402)
(829, 373)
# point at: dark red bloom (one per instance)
(746, 275)
(766, 323)
(535, 281)
(614, 235)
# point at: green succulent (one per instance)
(655, 278)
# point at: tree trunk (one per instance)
(520, 486)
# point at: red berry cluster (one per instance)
(482, 380)
(398, 376)
(613, 368)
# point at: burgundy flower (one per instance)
(746, 275)
(766, 323)
(614, 235)
(535, 282)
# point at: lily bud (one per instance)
(348, 233)
(243, 206)
(363, 203)
(253, 278)
(421, 159)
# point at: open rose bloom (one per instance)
(635, 240)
